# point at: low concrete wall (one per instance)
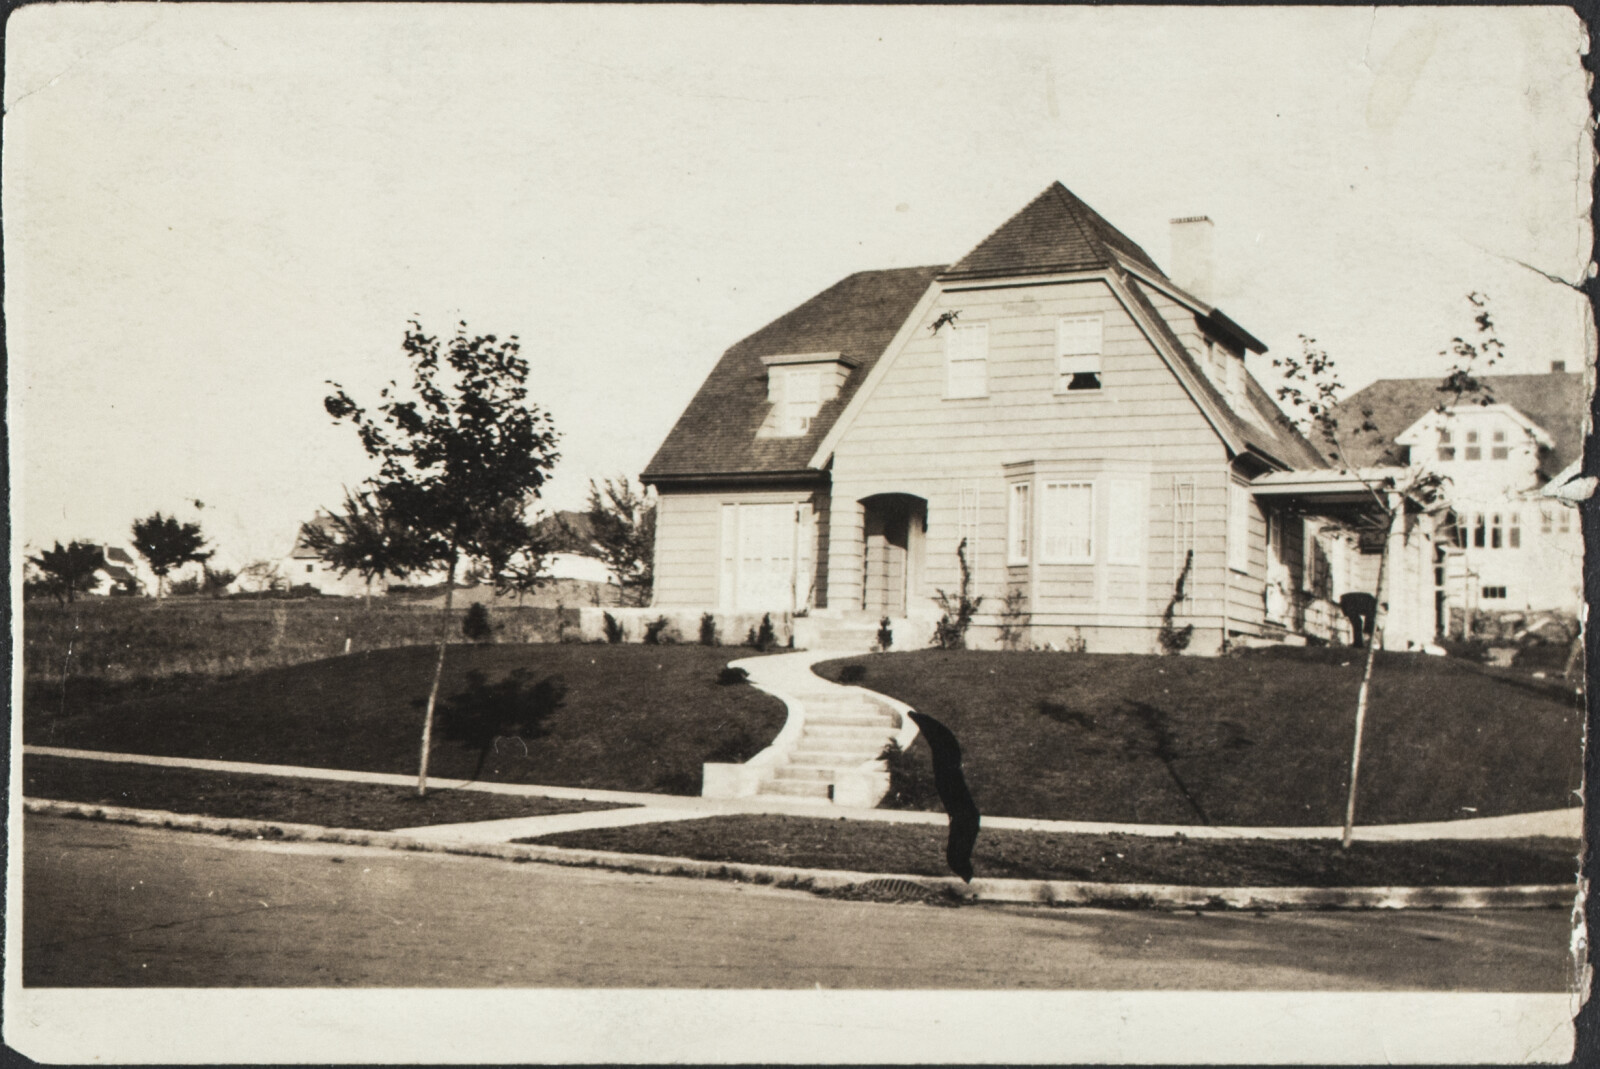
(683, 625)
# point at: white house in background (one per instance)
(303, 567)
(122, 566)
(1510, 548)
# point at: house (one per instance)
(1509, 548)
(1053, 407)
(122, 573)
(574, 555)
(304, 567)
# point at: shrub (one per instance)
(763, 638)
(1014, 619)
(184, 587)
(852, 673)
(301, 590)
(911, 784)
(708, 630)
(885, 635)
(656, 633)
(950, 633)
(731, 675)
(615, 632)
(475, 625)
(1174, 639)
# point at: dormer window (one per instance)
(1499, 450)
(1078, 346)
(1447, 451)
(798, 384)
(1474, 450)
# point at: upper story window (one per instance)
(798, 385)
(1499, 450)
(1447, 451)
(1474, 450)
(1078, 346)
(966, 354)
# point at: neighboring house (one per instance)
(1055, 401)
(122, 568)
(575, 556)
(1509, 548)
(303, 567)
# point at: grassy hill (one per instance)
(617, 717)
(1259, 738)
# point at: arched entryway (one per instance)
(892, 532)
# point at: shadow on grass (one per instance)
(503, 716)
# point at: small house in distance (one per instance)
(303, 567)
(1053, 407)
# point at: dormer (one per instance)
(1477, 438)
(798, 385)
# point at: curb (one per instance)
(1030, 892)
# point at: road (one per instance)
(115, 906)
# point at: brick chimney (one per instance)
(1191, 255)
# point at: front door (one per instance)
(884, 561)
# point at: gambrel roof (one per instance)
(859, 317)
(1555, 402)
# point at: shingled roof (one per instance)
(1055, 232)
(857, 318)
(1554, 401)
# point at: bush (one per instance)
(731, 675)
(911, 784)
(615, 632)
(885, 635)
(1174, 639)
(950, 633)
(764, 638)
(1014, 619)
(656, 632)
(180, 588)
(304, 590)
(475, 625)
(708, 630)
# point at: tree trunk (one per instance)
(438, 674)
(1366, 675)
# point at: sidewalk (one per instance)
(660, 808)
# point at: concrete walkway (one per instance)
(653, 808)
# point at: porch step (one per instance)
(798, 788)
(863, 733)
(833, 762)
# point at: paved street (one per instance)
(108, 905)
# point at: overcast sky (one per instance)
(211, 210)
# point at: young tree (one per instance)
(69, 570)
(167, 544)
(622, 522)
(263, 575)
(367, 537)
(1311, 388)
(457, 454)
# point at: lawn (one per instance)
(918, 850)
(1259, 738)
(330, 803)
(638, 718)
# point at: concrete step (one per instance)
(797, 788)
(832, 762)
(806, 773)
(862, 732)
(824, 744)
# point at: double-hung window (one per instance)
(1239, 506)
(1447, 451)
(966, 354)
(1068, 531)
(1018, 543)
(1078, 345)
(802, 399)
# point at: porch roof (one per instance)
(1339, 493)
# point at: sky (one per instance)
(211, 211)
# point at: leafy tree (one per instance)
(215, 581)
(622, 522)
(69, 570)
(167, 544)
(1311, 388)
(458, 455)
(369, 538)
